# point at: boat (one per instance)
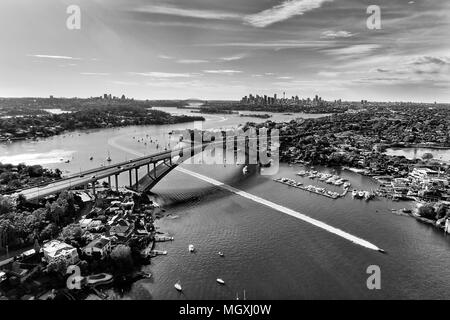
(178, 286)
(361, 194)
(368, 195)
(109, 157)
(91, 158)
(354, 193)
(220, 281)
(245, 170)
(191, 248)
(221, 254)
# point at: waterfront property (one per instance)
(55, 250)
(101, 247)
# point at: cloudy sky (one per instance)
(217, 49)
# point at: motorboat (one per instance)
(178, 286)
(220, 281)
(221, 254)
(245, 170)
(191, 248)
(354, 193)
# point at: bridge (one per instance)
(158, 165)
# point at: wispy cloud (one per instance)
(327, 74)
(192, 61)
(190, 13)
(222, 71)
(163, 75)
(45, 56)
(329, 34)
(94, 74)
(275, 44)
(283, 11)
(233, 58)
(285, 78)
(358, 49)
(165, 57)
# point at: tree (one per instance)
(441, 211)
(48, 232)
(427, 211)
(427, 156)
(121, 256)
(72, 232)
(6, 205)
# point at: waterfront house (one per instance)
(400, 187)
(55, 250)
(100, 247)
(122, 229)
(421, 174)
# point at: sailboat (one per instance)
(109, 157)
(178, 286)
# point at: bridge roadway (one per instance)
(106, 172)
(91, 176)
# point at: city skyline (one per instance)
(222, 51)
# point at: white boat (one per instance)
(245, 170)
(220, 281)
(361, 194)
(191, 248)
(178, 286)
(221, 254)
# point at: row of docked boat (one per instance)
(325, 177)
(310, 188)
(361, 194)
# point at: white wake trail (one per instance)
(270, 204)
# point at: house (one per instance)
(2, 276)
(400, 186)
(122, 229)
(100, 247)
(421, 174)
(55, 250)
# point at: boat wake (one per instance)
(359, 241)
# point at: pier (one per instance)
(163, 238)
(311, 189)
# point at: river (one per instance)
(269, 254)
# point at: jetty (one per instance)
(312, 189)
(163, 238)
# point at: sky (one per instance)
(217, 49)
